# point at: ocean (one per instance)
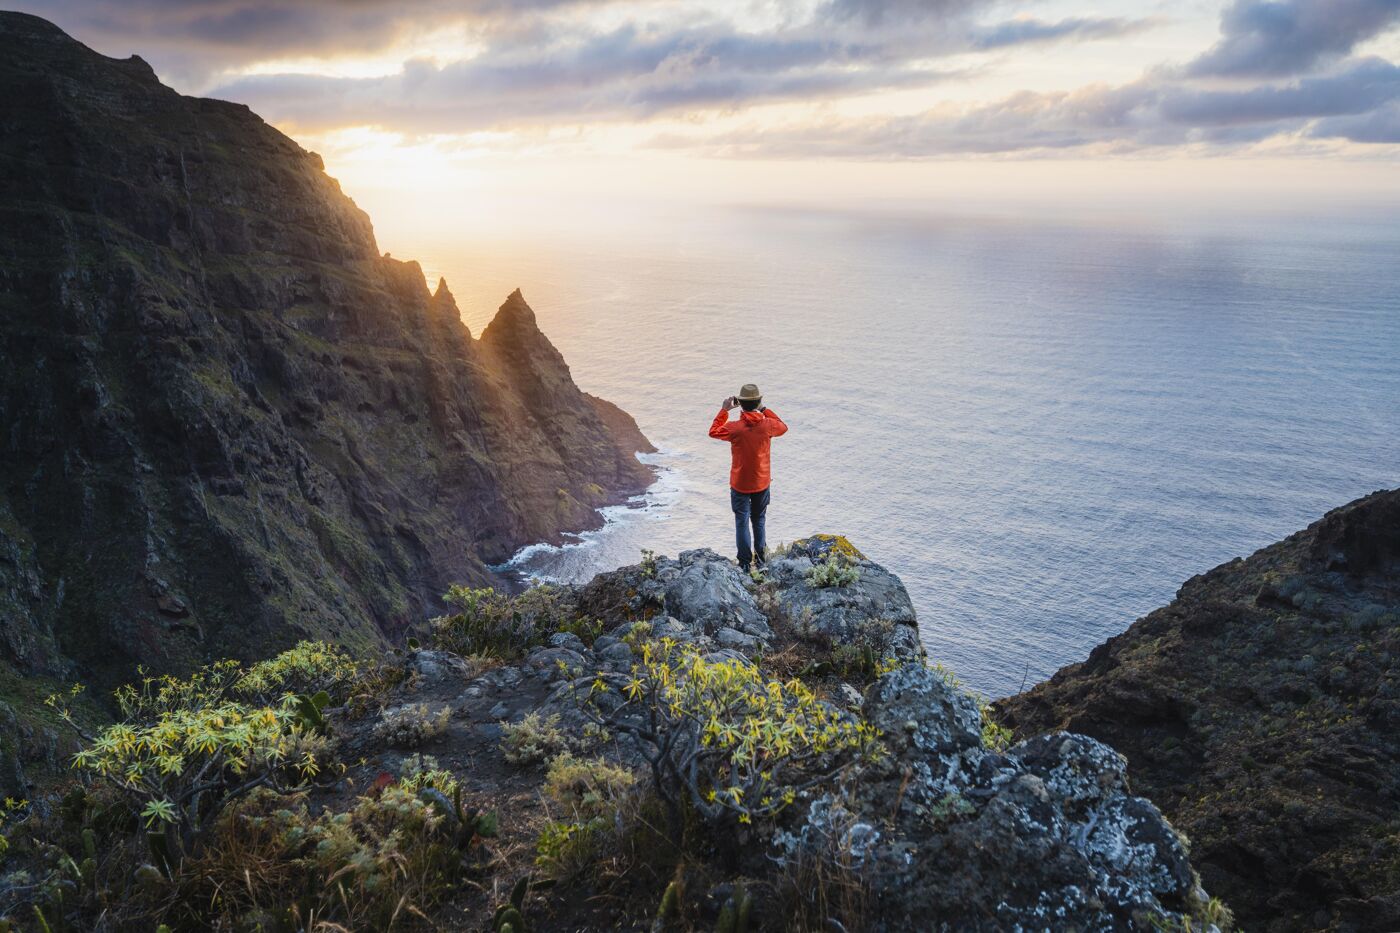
(1043, 425)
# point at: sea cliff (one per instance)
(230, 422)
(1261, 711)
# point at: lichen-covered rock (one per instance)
(843, 612)
(434, 668)
(708, 592)
(915, 707)
(696, 596)
(952, 836)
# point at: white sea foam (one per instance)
(564, 563)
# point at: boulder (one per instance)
(844, 613)
(1042, 836)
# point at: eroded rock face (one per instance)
(953, 836)
(1261, 711)
(229, 422)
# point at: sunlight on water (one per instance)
(1042, 427)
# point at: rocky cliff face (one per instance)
(229, 422)
(1261, 711)
(940, 831)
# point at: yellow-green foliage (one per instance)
(492, 623)
(185, 748)
(412, 725)
(596, 804)
(723, 734)
(836, 569)
(420, 771)
(307, 668)
(271, 865)
(11, 811)
(532, 740)
(198, 756)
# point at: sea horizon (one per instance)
(1159, 393)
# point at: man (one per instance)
(749, 439)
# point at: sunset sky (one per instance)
(797, 99)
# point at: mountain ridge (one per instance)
(230, 421)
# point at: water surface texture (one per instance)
(1043, 427)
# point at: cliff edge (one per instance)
(1261, 711)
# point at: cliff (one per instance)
(229, 422)
(675, 745)
(1261, 711)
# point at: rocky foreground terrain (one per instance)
(229, 422)
(1261, 711)
(673, 746)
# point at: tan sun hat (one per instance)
(749, 393)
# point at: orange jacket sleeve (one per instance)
(719, 428)
(774, 424)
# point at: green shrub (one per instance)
(412, 725)
(532, 740)
(271, 865)
(308, 668)
(596, 803)
(719, 736)
(491, 623)
(184, 750)
(837, 569)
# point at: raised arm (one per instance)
(719, 428)
(774, 424)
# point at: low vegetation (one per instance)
(721, 739)
(240, 798)
(533, 740)
(836, 569)
(492, 624)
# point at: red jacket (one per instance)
(748, 439)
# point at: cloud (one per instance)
(191, 40)
(1381, 126)
(1026, 31)
(628, 71)
(1358, 104)
(882, 12)
(1279, 38)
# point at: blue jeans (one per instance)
(750, 508)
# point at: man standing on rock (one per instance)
(749, 439)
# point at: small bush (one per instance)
(585, 788)
(722, 738)
(308, 668)
(412, 725)
(598, 807)
(497, 625)
(271, 865)
(836, 569)
(587, 630)
(532, 740)
(420, 771)
(185, 750)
